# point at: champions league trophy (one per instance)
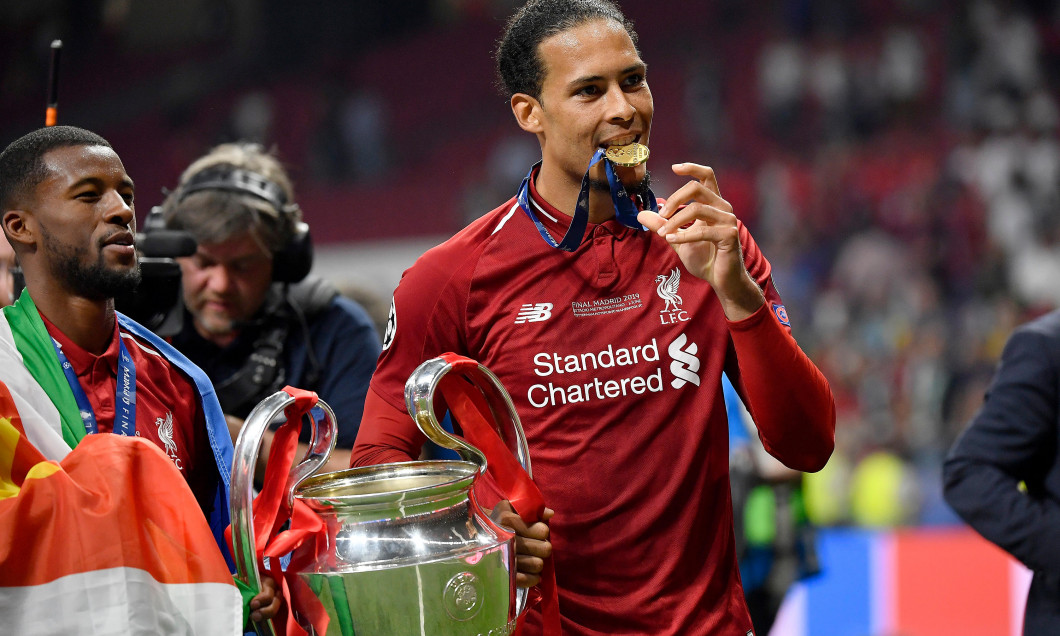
(408, 548)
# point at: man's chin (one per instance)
(631, 175)
(215, 326)
(635, 180)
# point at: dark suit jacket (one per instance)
(1013, 439)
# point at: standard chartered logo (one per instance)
(599, 375)
(685, 364)
(585, 389)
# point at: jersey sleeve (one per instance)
(387, 434)
(787, 395)
(426, 320)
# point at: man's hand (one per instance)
(705, 236)
(532, 546)
(266, 604)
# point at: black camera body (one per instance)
(157, 302)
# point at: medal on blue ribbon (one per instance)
(625, 208)
(124, 392)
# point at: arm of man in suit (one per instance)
(1011, 441)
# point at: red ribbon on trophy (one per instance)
(470, 410)
(306, 537)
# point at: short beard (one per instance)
(94, 281)
(637, 189)
(214, 329)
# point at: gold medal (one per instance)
(627, 156)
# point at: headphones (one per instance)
(292, 262)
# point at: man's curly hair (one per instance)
(519, 66)
(22, 163)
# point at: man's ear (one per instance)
(18, 226)
(527, 111)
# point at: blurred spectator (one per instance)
(376, 306)
(251, 118)
(352, 141)
(781, 70)
(775, 543)
(883, 492)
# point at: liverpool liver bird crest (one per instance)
(165, 434)
(667, 289)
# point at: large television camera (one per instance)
(157, 302)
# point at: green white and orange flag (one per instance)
(108, 541)
(105, 538)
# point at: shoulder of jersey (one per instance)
(479, 234)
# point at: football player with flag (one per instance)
(101, 534)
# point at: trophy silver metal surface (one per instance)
(410, 551)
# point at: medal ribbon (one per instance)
(124, 392)
(625, 208)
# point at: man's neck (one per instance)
(222, 340)
(88, 323)
(559, 190)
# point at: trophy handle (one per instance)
(247, 449)
(419, 399)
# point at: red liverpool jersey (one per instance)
(167, 409)
(613, 355)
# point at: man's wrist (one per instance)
(747, 299)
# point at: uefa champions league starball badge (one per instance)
(627, 156)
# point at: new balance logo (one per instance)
(685, 364)
(534, 313)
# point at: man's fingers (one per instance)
(526, 580)
(530, 564)
(716, 234)
(266, 604)
(690, 193)
(269, 611)
(704, 213)
(537, 531)
(504, 515)
(528, 570)
(650, 220)
(703, 174)
(533, 547)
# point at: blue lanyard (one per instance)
(124, 393)
(625, 208)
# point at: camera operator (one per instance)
(255, 322)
